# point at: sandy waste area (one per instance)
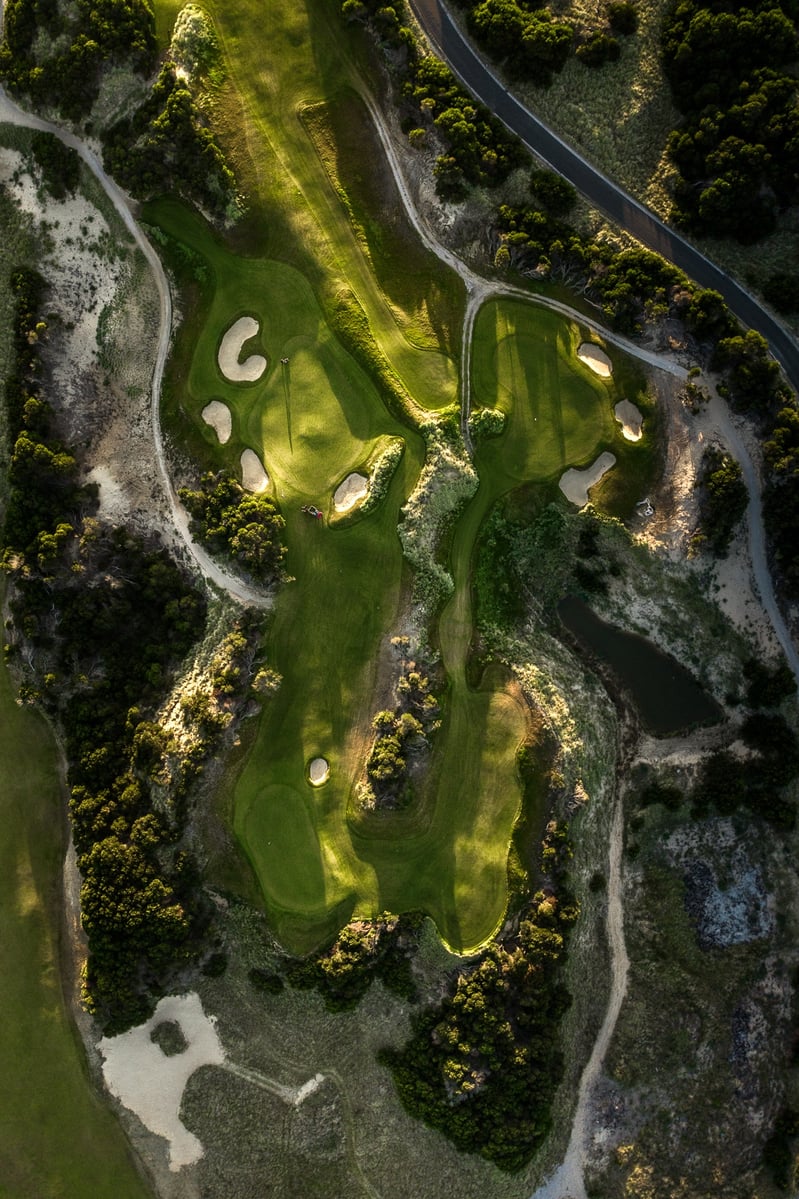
(575, 484)
(230, 349)
(150, 1083)
(318, 772)
(630, 419)
(253, 476)
(354, 488)
(217, 415)
(596, 359)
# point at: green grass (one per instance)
(559, 413)
(426, 297)
(56, 1137)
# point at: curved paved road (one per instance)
(455, 50)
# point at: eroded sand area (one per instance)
(150, 1081)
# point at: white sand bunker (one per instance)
(151, 1082)
(217, 415)
(230, 351)
(253, 476)
(354, 488)
(318, 772)
(575, 484)
(630, 419)
(596, 358)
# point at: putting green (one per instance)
(558, 412)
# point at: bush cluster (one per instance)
(166, 147)
(56, 53)
(482, 1067)
(240, 526)
(398, 733)
(723, 500)
(363, 950)
(732, 74)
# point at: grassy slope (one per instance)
(56, 1138)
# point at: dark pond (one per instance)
(667, 697)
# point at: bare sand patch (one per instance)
(630, 419)
(596, 359)
(253, 476)
(150, 1083)
(354, 488)
(217, 415)
(318, 772)
(230, 351)
(575, 484)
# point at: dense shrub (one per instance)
(238, 525)
(724, 499)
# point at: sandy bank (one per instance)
(354, 488)
(596, 359)
(217, 415)
(575, 484)
(150, 1083)
(230, 351)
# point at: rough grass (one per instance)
(426, 297)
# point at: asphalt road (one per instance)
(451, 46)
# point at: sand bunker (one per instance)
(354, 488)
(253, 476)
(217, 415)
(318, 772)
(575, 484)
(229, 351)
(630, 419)
(150, 1083)
(596, 358)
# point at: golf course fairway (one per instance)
(314, 415)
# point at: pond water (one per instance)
(668, 698)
